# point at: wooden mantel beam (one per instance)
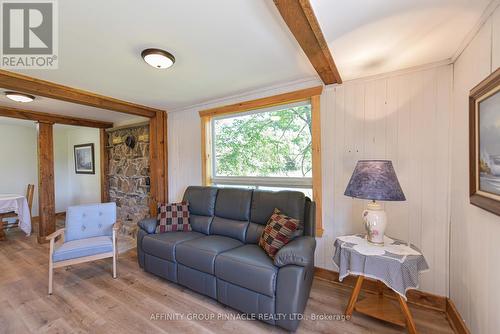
(37, 116)
(300, 19)
(26, 84)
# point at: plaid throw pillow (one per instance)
(173, 217)
(277, 233)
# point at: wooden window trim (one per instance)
(308, 94)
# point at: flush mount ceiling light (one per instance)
(158, 58)
(19, 97)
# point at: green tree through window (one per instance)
(265, 144)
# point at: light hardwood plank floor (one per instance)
(87, 300)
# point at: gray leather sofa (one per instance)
(221, 257)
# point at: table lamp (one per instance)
(375, 180)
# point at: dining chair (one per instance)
(30, 190)
(89, 235)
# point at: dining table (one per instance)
(19, 205)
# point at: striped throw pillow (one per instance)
(277, 233)
(173, 217)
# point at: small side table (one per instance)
(395, 265)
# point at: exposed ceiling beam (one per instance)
(52, 118)
(299, 17)
(26, 84)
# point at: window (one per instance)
(266, 147)
(271, 143)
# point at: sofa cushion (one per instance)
(229, 227)
(201, 200)
(173, 217)
(249, 267)
(278, 232)
(233, 203)
(264, 203)
(200, 253)
(254, 232)
(200, 223)
(83, 247)
(163, 245)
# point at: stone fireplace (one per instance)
(129, 174)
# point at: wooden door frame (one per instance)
(46, 192)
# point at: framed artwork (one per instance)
(84, 159)
(484, 143)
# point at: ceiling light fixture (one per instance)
(158, 58)
(19, 97)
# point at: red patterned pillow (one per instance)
(277, 233)
(173, 217)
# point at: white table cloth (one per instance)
(19, 205)
(395, 263)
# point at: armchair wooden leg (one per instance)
(51, 265)
(114, 265)
(51, 274)
(115, 251)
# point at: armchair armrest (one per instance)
(148, 225)
(299, 252)
(55, 234)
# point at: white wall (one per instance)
(82, 188)
(72, 188)
(61, 168)
(18, 143)
(18, 149)
(475, 233)
(404, 118)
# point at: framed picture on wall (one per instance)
(484, 144)
(84, 159)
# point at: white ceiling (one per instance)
(369, 37)
(229, 47)
(222, 48)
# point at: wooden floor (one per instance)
(87, 300)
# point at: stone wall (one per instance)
(129, 176)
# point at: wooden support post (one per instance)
(46, 192)
(103, 138)
(158, 160)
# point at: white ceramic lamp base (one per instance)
(375, 220)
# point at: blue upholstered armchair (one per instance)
(90, 235)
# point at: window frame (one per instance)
(296, 182)
(311, 95)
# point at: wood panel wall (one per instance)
(475, 233)
(404, 118)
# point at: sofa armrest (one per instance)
(148, 225)
(299, 252)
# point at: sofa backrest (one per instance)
(232, 213)
(291, 203)
(90, 220)
(201, 207)
(243, 213)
